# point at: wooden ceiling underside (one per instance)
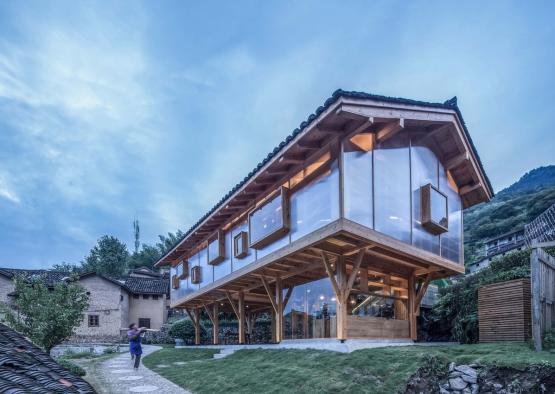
(307, 265)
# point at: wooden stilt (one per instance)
(279, 310)
(342, 299)
(216, 324)
(197, 326)
(241, 307)
(273, 324)
(412, 308)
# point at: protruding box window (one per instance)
(183, 269)
(196, 275)
(175, 282)
(216, 248)
(269, 221)
(241, 245)
(434, 209)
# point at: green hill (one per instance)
(509, 210)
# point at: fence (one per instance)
(504, 311)
(542, 267)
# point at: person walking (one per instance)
(135, 349)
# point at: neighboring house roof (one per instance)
(144, 271)
(135, 285)
(52, 277)
(24, 368)
(504, 235)
(449, 104)
(147, 285)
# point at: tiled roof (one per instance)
(24, 368)
(152, 285)
(449, 104)
(147, 285)
(52, 277)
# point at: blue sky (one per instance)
(114, 109)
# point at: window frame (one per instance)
(184, 269)
(94, 317)
(218, 237)
(283, 193)
(426, 210)
(175, 282)
(147, 319)
(242, 238)
(196, 275)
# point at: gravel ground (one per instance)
(116, 375)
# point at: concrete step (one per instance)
(220, 355)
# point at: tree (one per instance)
(47, 316)
(146, 257)
(109, 257)
(169, 241)
(67, 267)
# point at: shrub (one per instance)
(549, 340)
(184, 329)
(73, 368)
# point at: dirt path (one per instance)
(116, 375)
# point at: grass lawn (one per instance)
(383, 370)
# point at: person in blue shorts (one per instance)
(134, 336)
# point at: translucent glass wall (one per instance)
(382, 191)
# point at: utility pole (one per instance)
(136, 232)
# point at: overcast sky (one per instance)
(114, 109)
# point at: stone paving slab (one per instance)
(117, 376)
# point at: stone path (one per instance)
(116, 376)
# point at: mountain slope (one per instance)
(509, 210)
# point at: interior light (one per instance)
(322, 297)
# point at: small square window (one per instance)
(135, 296)
(145, 296)
(144, 322)
(94, 321)
(155, 297)
(434, 209)
(175, 282)
(196, 275)
(182, 270)
(241, 245)
(216, 248)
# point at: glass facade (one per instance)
(266, 220)
(392, 210)
(382, 191)
(311, 312)
(357, 182)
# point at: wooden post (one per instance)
(273, 324)
(341, 299)
(215, 324)
(412, 314)
(197, 326)
(536, 301)
(241, 307)
(279, 310)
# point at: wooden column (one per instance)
(241, 307)
(215, 324)
(197, 326)
(342, 299)
(412, 307)
(273, 324)
(279, 310)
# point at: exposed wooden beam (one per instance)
(191, 316)
(287, 296)
(469, 188)
(331, 276)
(352, 277)
(269, 291)
(210, 316)
(421, 292)
(228, 295)
(390, 129)
(456, 161)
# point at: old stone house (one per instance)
(139, 297)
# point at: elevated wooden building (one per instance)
(338, 232)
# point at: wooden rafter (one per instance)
(422, 291)
(390, 129)
(456, 160)
(210, 315)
